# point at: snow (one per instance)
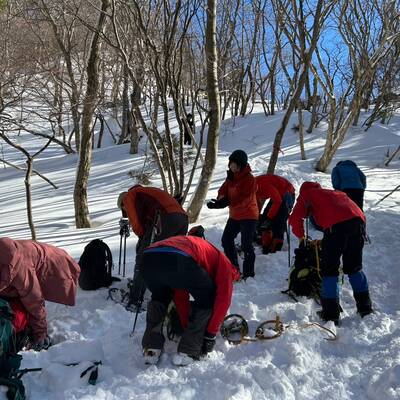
(364, 362)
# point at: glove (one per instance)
(221, 203)
(42, 344)
(208, 343)
(266, 225)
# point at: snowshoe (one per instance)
(151, 356)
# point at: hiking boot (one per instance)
(363, 302)
(326, 318)
(151, 356)
(183, 359)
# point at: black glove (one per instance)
(221, 203)
(266, 225)
(208, 343)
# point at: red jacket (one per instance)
(217, 265)
(241, 193)
(327, 207)
(272, 187)
(142, 203)
(35, 272)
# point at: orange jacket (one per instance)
(241, 193)
(272, 187)
(327, 207)
(35, 272)
(142, 203)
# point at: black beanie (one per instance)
(239, 157)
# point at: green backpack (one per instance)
(10, 360)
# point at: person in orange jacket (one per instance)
(239, 193)
(175, 268)
(343, 224)
(272, 222)
(153, 215)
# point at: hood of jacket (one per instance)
(306, 186)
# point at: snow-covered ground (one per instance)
(364, 362)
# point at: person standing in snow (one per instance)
(33, 272)
(180, 266)
(348, 178)
(153, 215)
(343, 224)
(272, 222)
(239, 193)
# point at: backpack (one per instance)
(10, 361)
(304, 276)
(96, 264)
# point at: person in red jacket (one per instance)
(272, 222)
(239, 193)
(186, 265)
(343, 224)
(153, 215)
(33, 272)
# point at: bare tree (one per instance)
(214, 112)
(82, 219)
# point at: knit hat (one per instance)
(239, 157)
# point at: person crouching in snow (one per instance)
(177, 267)
(272, 222)
(34, 272)
(153, 215)
(343, 224)
(239, 193)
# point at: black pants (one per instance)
(163, 272)
(171, 225)
(357, 195)
(346, 240)
(247, 229)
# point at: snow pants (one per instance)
(247, 229)
(343, 240)
(163, 272)
(171, 225)
(357, 195)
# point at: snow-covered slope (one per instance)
(363, 363)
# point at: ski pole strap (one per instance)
(318, 325)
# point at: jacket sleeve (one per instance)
(296, 218)
(223, 296)
(276, 202)
(335, 177)
(30, 294)
(223, 190)
(182, 304)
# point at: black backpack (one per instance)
(305, 277)
(96, 264)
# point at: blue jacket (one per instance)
(346, 175)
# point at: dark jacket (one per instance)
(346, 175)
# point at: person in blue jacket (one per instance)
(348, 178)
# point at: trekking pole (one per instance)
(123, 270)
(288, 241)
(120, 250)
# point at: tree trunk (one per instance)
(301, 134)
(82, 219)
(29, 164)
(200, 193)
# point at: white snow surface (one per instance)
(364, 362)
